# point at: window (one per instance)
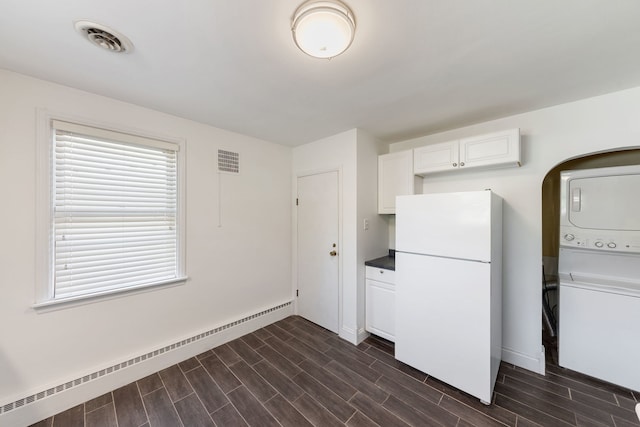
(115, 212)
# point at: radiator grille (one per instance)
(90, 377)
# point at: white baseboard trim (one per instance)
(52, 400)
(542, 361)
(348, 334)
(535, 364)
(362, 335)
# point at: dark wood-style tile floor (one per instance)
(294, 373)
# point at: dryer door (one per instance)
(605, 202)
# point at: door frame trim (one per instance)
(294, 234)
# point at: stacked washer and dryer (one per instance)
(599, 274)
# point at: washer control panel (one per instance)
(596, 240)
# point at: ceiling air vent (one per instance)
(228, 161)
(104, 37)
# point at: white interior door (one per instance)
(318, 252)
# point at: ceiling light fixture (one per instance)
(323, 29)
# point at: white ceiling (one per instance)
(415, 66)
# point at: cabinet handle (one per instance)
(461, 163)
(455, 164)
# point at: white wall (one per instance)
(39, 349)
(354, 154)
(337, 152)
(549, 136)
(374, 242)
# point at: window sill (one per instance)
(73, 301)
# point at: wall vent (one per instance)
(104, 37)
(228, 161)
(94, 375)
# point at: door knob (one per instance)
(333, 253)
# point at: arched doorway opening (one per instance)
(551, 234)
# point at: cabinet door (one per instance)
(494, 149)
(381, 309)
(435, 158)
(395, 178)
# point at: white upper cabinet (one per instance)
(494, 149)
(395, 178)
(436, 157)
(497, 149)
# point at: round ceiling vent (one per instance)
(104, 37)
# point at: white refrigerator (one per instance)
(449, 287)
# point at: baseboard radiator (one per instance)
(52, 391)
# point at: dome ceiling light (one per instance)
(323, 29)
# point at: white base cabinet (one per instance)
(380, 307)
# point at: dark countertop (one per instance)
(386, 262)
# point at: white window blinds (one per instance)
(115, 208)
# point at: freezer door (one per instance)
(444, 321)
(456, 225)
